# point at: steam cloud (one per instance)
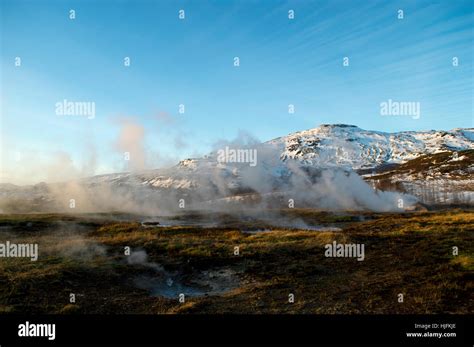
(209, 185)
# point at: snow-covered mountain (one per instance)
(327, 146)
(338, 145)
(351, 146)
(293, 164)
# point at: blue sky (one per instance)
(190, 62)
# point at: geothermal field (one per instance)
(224, 263)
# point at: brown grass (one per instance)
(408, 253)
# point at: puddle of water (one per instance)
(257, 231)
(171, 223)
(167, 288)
(209, 282)
(151, 224)
(208, 224)
(314, 228)
(308, 227)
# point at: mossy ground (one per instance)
(407, 253)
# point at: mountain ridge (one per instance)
(295, 164)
